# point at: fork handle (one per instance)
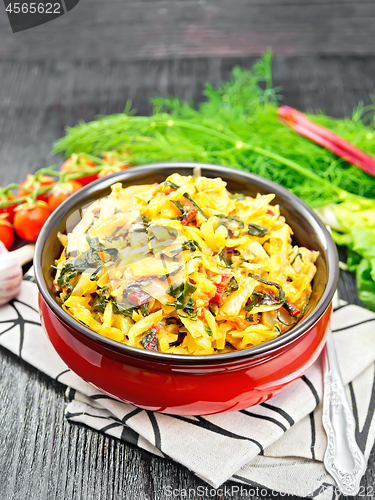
(343, 458)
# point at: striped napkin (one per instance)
(277, 445)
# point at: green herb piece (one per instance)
(282, 296)
(214, 308)
(227, 219)
(94, 243)
(70, 270)
(208, 331)
(171, 184)
(189, 307)
(119, 233)
(94, 276)
(189, 288)
(261, 299)
(192, 317)
(232, 286)
(188, 197)
(179, 205)
(191, 245)
(119, 308)
(144, 309)
(255, 230)
(255, 299)
(149, 340)
(88, 260)
(101, 300)
(99, 304)
(298, 255)
(183, 299)
(96, 246)
(184, 211)
(281, 321)
(105, 293)
(225, 258)
(238, 196)
(145, 220)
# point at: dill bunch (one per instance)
(237, 126)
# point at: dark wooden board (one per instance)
(161, 29)
(41, 455)
(39, 99)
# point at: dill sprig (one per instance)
(236, 126)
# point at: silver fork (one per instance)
(343, 458)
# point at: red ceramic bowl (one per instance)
(190, 385)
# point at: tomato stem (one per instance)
(16, 201)
(64, 176)
(95, 159)
(71, 175)
(5, 190)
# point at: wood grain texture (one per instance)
(39, 99)
(119, 30)
(43, 457)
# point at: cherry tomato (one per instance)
(6, 231)
(31, 183)
(29, 219)
(80, 163)
(61, 191)
(115, 162)
(7, 196)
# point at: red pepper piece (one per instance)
(242, 324)
(153, 344)
(187, 203)
(220, 289)
(291, 308)
(200, 313)
(190, 216)
(138, 297)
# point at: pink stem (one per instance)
(327, 139)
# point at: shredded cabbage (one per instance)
(184, 267)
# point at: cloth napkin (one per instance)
(277, 445)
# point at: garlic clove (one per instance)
(11, 270)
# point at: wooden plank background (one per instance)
(160, 29)
(39, 99)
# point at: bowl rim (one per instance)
(125, 175)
